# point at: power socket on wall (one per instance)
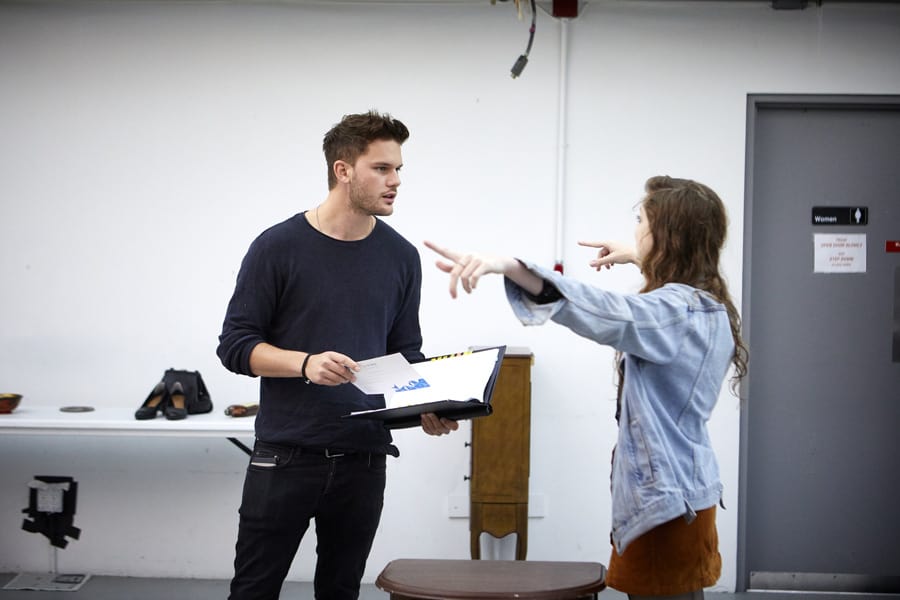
(458, 506)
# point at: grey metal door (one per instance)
(820, 427)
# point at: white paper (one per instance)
(839, 253)
(457, 377)
(384, 374)
(51, 582)
(460, 377)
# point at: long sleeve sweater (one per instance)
(299, 289)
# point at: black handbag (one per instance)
(196, 397)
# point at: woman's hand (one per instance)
(611, 253)
(467, 269)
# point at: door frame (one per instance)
(756, 103)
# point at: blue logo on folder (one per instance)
(412, 385)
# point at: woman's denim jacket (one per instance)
(677, 347)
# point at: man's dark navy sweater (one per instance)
(299, 289)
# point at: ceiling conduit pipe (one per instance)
(561, 143)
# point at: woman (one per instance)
(676, 340)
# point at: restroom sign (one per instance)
(839, 253)
(840, 215)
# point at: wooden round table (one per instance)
(415, 579)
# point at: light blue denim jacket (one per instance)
(677, 347)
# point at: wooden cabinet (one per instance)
(501, 445)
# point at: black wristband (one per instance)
(548, 295)
(303, 369)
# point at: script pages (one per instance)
(456, 386)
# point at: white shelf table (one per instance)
(119, 421)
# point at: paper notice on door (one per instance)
(839, 252)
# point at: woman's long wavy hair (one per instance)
(688, 223)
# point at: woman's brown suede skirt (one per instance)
(675, 558)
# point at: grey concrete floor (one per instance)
(141, 588)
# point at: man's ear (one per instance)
(342, 171)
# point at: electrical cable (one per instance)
(523, 59)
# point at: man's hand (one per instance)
(331, 368)
(434, 425)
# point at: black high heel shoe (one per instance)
(154, 403)
(176, 408)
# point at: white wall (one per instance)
(144, 144)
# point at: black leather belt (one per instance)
(327, 452)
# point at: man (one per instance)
(314, 294)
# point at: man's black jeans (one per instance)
(284, 488)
